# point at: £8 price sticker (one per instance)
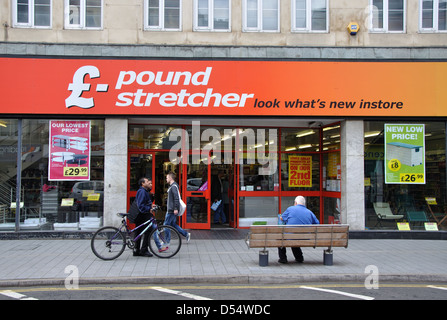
(394, 165)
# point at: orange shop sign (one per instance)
(201, 87)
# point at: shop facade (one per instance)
(264, 131)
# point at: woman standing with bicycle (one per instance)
(174, 206)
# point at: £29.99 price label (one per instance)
(75, 172)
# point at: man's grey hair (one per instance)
(300, 200)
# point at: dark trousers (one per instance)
(140, 219)
(297, 253)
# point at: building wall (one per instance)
(123, 24)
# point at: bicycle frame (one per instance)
(151, 222)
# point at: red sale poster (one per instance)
(69, 150)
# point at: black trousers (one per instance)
(142, 218)
(297, 253)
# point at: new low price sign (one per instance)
(405, 153)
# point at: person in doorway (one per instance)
(144, 204)
(296, 214)
(216, 195)
(173, 206)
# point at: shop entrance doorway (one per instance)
(200, 185)
(155, 165)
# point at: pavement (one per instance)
(220, 256)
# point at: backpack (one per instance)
(133, 212)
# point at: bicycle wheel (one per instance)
(108, 243)
(165, 242)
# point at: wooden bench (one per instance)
(321, 235)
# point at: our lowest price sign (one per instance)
(69, 154)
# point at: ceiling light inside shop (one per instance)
(331, 128)
(372, 134)
(304, 133)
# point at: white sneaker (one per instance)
(188, 237)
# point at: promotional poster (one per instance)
(69, 150)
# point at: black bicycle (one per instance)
(108, 243)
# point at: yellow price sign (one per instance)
(75, 172)
(412, 177)
(93, 197)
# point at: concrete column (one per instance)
(115, 170)
(352, 174)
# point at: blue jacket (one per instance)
(299, 214)
(143, 200)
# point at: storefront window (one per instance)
(331, 172)
(8, 172)
(47, 205)
(150, 137)
(262, 208)
(312, 203)
(332, 210)
(415, 202)
(212, 138)
(331, 137)
(268, 166)
(300, 139)
(255, 176)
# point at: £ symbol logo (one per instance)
(78, 86)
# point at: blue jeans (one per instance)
(170, 220)
(220, 213)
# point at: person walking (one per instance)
(173, 206)
(296, 214)
(144, 204)
(216, 195)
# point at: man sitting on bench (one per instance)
(297, 214)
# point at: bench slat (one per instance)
(298, 243)
(290, 236)
(300, 229)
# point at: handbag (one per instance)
(182, 207)
(215, 205)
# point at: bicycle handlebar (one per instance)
(155, 208)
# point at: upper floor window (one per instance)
(261, 15)
(32, 13)
(387, 15)
(162, 15)
(83, 14)
(310, 15)
(433, 15)
(212, 15)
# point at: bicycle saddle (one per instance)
(122, 214)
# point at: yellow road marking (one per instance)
(221, 287)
